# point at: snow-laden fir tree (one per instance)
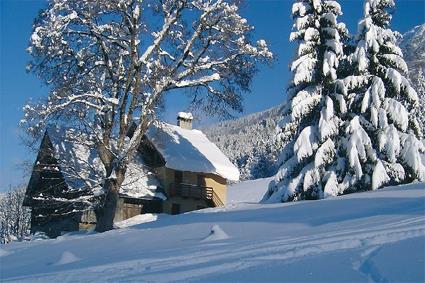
(308, 133)
(418, 82)
(383, 135)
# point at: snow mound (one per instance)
(138, 219)
(67, 258)
(39, 236)
(4, 253)
(216, 234)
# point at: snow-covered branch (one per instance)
(107, 62)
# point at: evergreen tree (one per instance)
(312, 122)
(418, 80)
(383, 136)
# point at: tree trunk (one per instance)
(105, 213)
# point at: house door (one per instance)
(202, 184)
(175, 208)
(178, 177)
(201, 181)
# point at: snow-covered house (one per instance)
(177, 169)
(192, 170)
(63, 179)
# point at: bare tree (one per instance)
(108, 62)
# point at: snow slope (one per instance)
(376, 236)
(251, 191)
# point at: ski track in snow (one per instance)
(354, 232)
(184, 268)
(368, 268)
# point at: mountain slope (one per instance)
(413, 46)
(248, 141)
(376, 236)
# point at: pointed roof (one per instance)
(190, 150)
(81, 166)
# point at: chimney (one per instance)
(184, 120)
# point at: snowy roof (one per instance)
(81, 167)
(190, 150)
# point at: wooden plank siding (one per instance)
(167, 179)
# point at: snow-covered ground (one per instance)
(138, 219)
(248, 191)
(366, 237)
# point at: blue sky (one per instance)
(270, 17)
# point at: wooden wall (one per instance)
(126, 210)
(167, 177)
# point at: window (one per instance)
(175, 208)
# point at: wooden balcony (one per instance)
(195, 192)
(190, 191)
